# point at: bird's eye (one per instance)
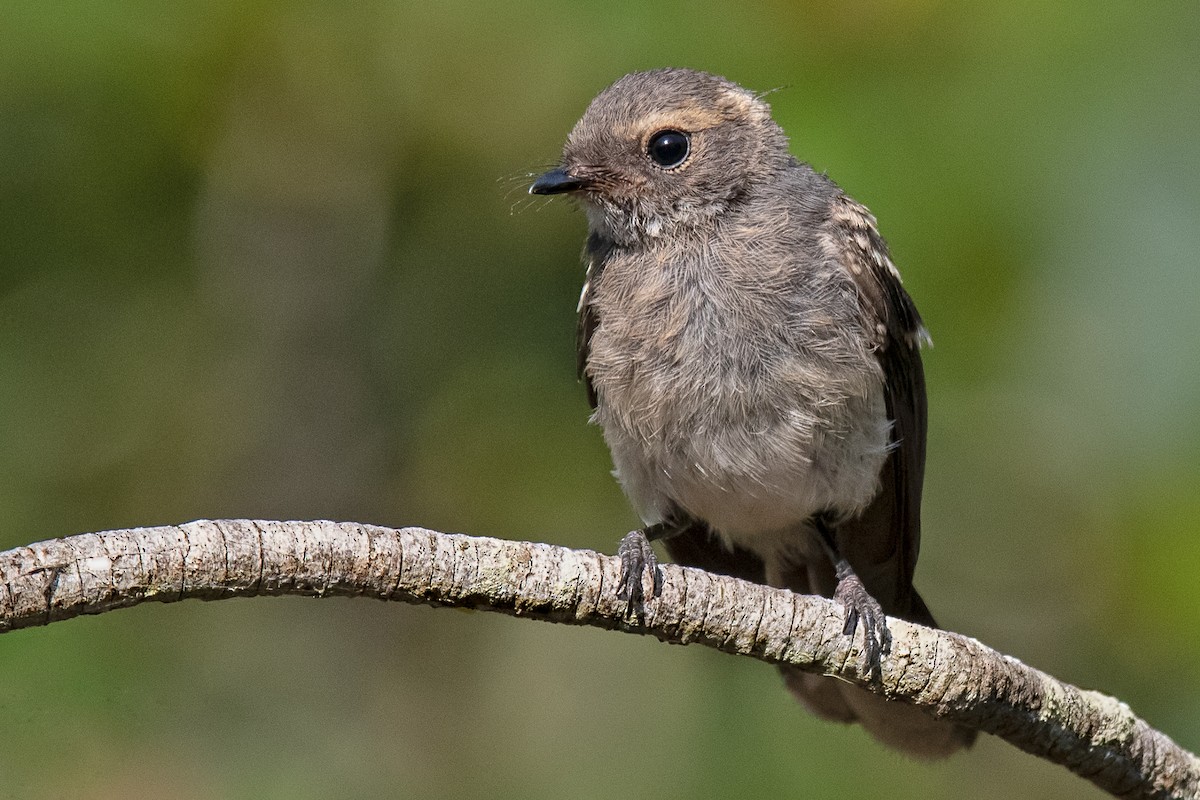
(668, 149)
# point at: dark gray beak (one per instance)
(557, 181)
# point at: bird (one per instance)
(753, 361)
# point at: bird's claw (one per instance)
(637, 558)
(860, 606)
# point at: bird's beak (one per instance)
(557, 181)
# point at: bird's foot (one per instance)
(860, 606)
(637, 559)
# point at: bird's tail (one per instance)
(897, 724)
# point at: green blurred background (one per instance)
(276, 260)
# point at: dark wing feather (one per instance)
(595, 254)
(882, 543)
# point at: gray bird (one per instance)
(753, 362)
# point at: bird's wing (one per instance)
(595, 254)
(882, 543)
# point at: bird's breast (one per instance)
(723, 401)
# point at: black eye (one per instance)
(668, 149)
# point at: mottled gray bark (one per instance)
(1095, 736)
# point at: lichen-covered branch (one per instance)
(1095, 736)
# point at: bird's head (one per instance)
(663, 150)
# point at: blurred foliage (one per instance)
(272, 259)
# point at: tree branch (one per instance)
(952, 676)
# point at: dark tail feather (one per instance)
(896, 724)
(892, 722)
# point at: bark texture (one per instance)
(949, 675)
